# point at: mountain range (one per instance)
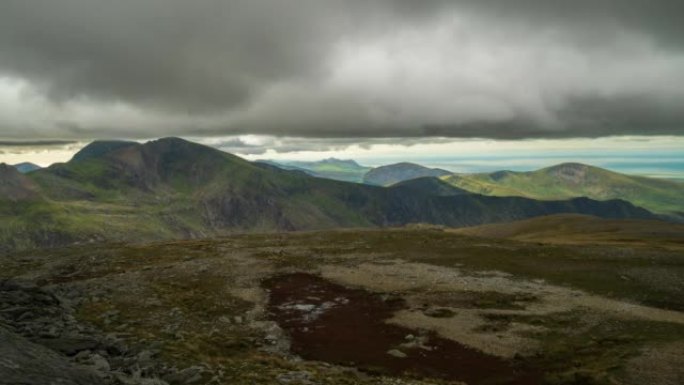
(172, 188)
(569, 180)
(559, 182)
(338, 169)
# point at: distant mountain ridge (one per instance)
(337, 169)
(570, 180)
(172, 188)
(399, 172)
(26, 167)
(429, 185)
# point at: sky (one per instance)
(493, 82)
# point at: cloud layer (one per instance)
(77, 69)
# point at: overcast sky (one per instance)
(340, 72)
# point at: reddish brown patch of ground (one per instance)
(332, 323)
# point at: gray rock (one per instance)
(186, 376)
(123, 379)
(271, 339)
(82, 356)
(99, 363)
(299, 378)
(70, 345)
(144, 358)
(440, 312)
(17, 284)
(24, 362)
(397, 353)
(50, 332)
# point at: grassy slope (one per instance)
(583, 229)
(399, 172)
(335, 169)
(574, 180)
(101, 197)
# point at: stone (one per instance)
(24, 362)
(50, 332)
(298, 378)
(70, 345)
(440, 312)
(397, 353)
(82, 356)
(271, 339)
(99, 363)
(144, 358)
(186, 376)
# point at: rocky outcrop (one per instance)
(41, 342)
(25, 362)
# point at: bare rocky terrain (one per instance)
(405, 306)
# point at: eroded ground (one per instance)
(369, 307)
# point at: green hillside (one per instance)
(584, 229)
(570, 180)
(172, 188)
(429, 185)
(400, 172)
(332, 168)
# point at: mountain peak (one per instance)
(572, 172)
(25, 167)
(172, 140)
(571, 166)
(185, 151)
(349, 162)
(100, 148)
(398, 172)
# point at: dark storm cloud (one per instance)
(35, 143)
(198, 54)
(327, 68)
